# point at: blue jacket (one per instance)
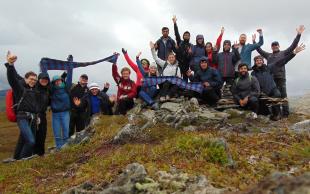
(198, 51)
(246, 51)
(60, 97)
(209, 75)
(164, 49)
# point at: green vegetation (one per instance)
(193, 152)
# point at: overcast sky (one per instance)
(94, 29)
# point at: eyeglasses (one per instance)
(32, 79)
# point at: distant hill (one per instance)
(2, 93)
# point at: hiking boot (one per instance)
(155, 106)
(8, 160)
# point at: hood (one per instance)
(44, 76)
(256, 68)
(200, 36)
(226, 42)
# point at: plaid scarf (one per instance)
(54, 64)
(193, 86)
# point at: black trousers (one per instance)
(252, 104)
(264, 109)
(281, 85)
(39, 147)
(77, 122)
(124, 105)
(210, 96)
(168, 89)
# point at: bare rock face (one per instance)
(280, 183)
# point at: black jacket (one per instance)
(209, 75)
(182, 54)
(30, 96)
(265, 79)
(77, 91)
(278, 70)
(44, 93)
(245, 86)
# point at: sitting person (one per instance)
(127, 90)
(210, 79)
(246, 90)
(95, 102)
(169, 68)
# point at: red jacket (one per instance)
(125, 87)
(135, 68)
(211, 56)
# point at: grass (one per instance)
(193, 152)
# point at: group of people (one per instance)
(180, 69)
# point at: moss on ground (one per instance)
(193, 152)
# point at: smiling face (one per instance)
(83, 82)
(243, 70)
(94, 91)
(242, 39)
(204, 65)
(145, 64)
(126, 75)
(259, 62)
(43, 82)
(171, 59)
(186, 36)
(153, 70)
(275, 48)
(31, 80)
(208, 47)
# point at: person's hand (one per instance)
(189, 73)
(215, 48)
(107, 85)
(124, 51)
(139, 54)
(152, 45)
(123, 97)
(206, 84)
(300, 29)
(222, 30)
(236, 45)
(112, 98)
(77, 101)
(253, 37)
(190, 51)
(300, 48)
(245, 100)
(260, 31)
(241, 102)
(174, 19)
(10, 58)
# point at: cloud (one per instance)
(90, 30)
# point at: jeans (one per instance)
(26, 140)
(147, 94)
(60, 123)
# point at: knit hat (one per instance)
(94, 86)
(153, 64)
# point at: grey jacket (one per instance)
(245, 86)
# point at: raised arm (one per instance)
(12, 77)
(236, 55)
(130, 62)
(294, 44)
(260, 42)
(159, 61)
(219, 39)
(140, 66)
(176, 31)
(291, 55)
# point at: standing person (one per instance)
(27, 106)
(95, 102)
(196, 52)
(212, 51)
(78, 116)
(169, 68)
(246, 90)
(245, 50)
(43, 86)
(164, 45)
(226, 62)
(60, 105)
(127, 89)
(278, 70)
(211, 80)
(182, 49)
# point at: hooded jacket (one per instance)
(30, 96)
(245, 86)
(44, 93)
(60, 98)
(163, 49)
(77, 91)
(198, 51)
(278, 70)
(209, 75)
(226, 61)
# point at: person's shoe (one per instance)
(155, 106)
(162, 99)
(167, 98)
(8, 160)
(31, 157)
(254, 115)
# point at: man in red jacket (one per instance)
(127, 90)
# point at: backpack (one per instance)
(11, 106)
(238, 78)
(176, 70)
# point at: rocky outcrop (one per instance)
(134, 180)
(300, 105)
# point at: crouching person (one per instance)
(211, 80)
(95, 102)
(127, 90)
(60, 105)
(246, 90)
(169, 68)
(27, 107)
